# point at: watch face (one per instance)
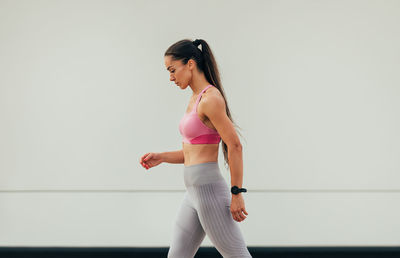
(237, 190)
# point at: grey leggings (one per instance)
(205, 209)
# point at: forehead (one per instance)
(169, 62)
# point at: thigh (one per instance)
(187, 231)
(217, 221)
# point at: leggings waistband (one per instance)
(203, 173)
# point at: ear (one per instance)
(191, 64)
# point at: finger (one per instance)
(146, 156)
(145, 159)
(238, 217)
(245, 212)
(242, 217)
(234, 216)
(144, 164)
(141, 158)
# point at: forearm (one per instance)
(172, 156)
(236, 165)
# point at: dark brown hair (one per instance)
(187, 49)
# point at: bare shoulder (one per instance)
(212, 99)
(215, 110)
(213, 94)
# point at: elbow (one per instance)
(236, 146)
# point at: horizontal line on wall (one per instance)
(178, 191)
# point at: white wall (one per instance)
(84, 93)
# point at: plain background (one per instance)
(84, 93)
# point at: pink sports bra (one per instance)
(193, 130)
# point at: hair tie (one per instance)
(197, 43)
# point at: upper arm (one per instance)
(214, 108)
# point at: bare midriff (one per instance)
(199, 153)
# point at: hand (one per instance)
(237, 207)
(150, 159)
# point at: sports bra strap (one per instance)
(198, 97)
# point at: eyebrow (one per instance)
(169, 67)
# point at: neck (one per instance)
(198, 84)
(198, 88)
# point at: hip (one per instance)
(201, 174)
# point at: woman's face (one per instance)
(178, 72)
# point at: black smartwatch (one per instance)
(237, 190)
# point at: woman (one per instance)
(208, 206)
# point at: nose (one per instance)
(171, 78)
